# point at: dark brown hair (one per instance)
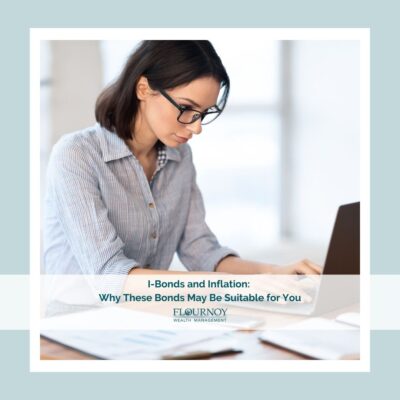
(166, 64)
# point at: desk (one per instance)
(253, 348)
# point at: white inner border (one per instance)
(37, 365)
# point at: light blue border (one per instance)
(18, 383)
(381, 17)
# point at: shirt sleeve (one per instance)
(199, 249)
(74, 189)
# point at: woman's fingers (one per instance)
(307, 267)
(283, 284)
(317, 268)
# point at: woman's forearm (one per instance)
(149, 271)
(236, 265)
(228, 265)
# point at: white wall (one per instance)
(76, 83)
(325, 132)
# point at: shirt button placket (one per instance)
(153, 234)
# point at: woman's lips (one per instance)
(181, 139)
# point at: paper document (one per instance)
(119, 342)
(317, 338)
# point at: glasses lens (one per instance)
(210, 118)
(189, 116)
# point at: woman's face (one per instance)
(157, 118)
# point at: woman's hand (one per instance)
(304, 267)
(286, 282)
(236, 265)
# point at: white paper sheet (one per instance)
(317, 338)
(125, 337)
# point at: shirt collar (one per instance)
(114, 148)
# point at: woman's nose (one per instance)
(196, 127)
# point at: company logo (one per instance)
(201, 314)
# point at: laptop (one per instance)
(339, 284)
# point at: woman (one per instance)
(122, 196)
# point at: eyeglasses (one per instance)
(189, 116)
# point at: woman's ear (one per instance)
(142, 88)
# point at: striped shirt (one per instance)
(102, 216)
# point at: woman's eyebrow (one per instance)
(193, 102)
(190, 101)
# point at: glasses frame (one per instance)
(183, 109)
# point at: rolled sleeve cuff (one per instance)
(114, 275)
(210, 262)
(120, 266)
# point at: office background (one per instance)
(279, 161)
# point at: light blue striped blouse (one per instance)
(103, 217)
